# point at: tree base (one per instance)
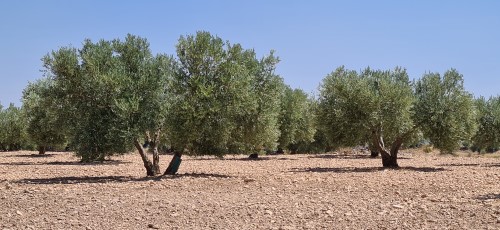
(173, 167)
(42, 150)
(389, 161)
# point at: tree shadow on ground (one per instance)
(196, 175)
(80, 180)
(349, 156)
(105, 162)
(491, 196)
(260, 158)
(113, 179)
(367, 169)
(488, 165)
(33, 155)
(19, 163)
(77, 163)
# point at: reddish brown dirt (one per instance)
(328, 191)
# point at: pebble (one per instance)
(153, 226)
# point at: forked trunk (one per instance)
(174, 164)
(42, 150)
(389, 159)
(147, 163)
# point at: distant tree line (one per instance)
(217, 98)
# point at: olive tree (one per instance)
(385, 107)
(144, 102)
(113, 93)
(487, 136)
(444, 110)
(225, 99)
(44, 126)
(12, 129)
(87, 82)
(296, 120)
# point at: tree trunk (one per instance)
(42, 150)
(101, 157)
(156, 156)
(174, 164)
(156, 159)
(389, 161)
(147, 163)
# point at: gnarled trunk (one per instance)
(42, 150)
(152, 168)
(389, 159)
(147, 163)
(174, 164)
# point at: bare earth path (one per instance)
(277, 192)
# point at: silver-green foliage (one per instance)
(13, 134)
(44, 126)
(487, 136)
(385, 107)
(372, 106)
(444, 110)
(112, 91)
(296, 120)
(225, 99)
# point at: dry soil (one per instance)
(329, 191)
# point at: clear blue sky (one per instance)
(312, 38)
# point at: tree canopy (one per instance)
(386, 107)
(13, 134)
(112, 93)
(226, 100)
(215, 98)
(487, 136)
(44, 126)
(296, 120)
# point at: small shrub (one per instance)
(427, 148)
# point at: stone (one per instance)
(152, 226)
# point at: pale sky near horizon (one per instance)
(312, 38)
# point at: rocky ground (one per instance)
(330, 191)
